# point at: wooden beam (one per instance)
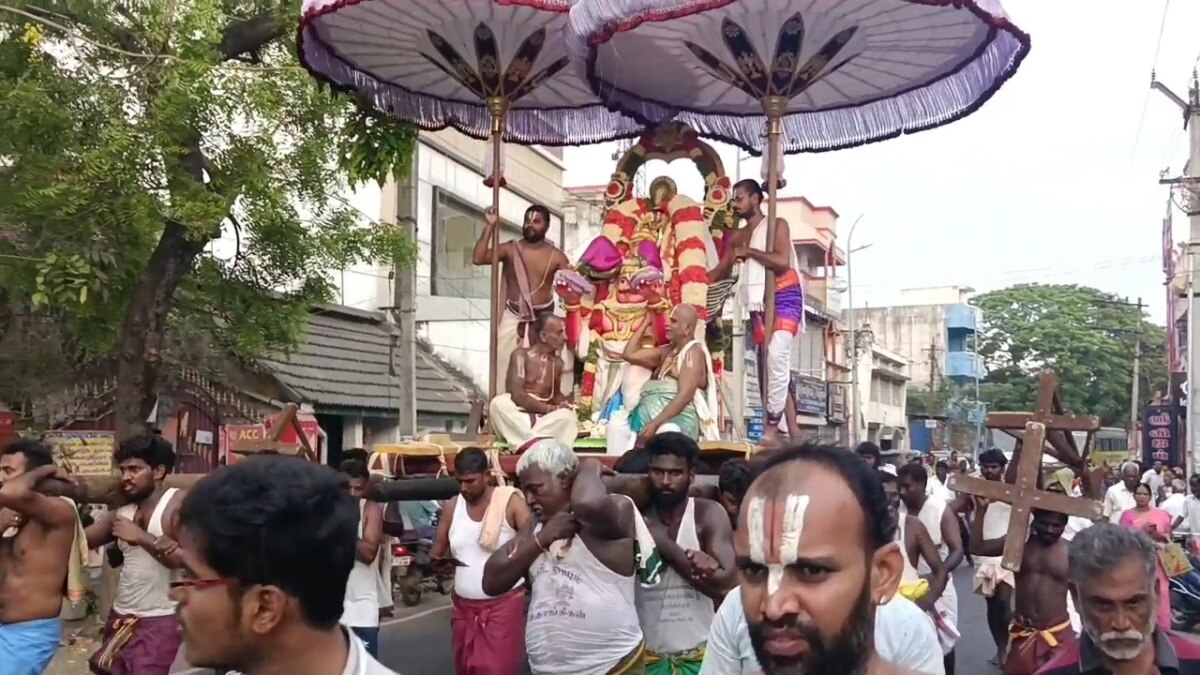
(1062, 423)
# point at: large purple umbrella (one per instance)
(817, 74)
(493, 69)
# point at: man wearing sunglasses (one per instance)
(267, 548)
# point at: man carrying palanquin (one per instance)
(580, 555)
(535, 406)
(682, 392)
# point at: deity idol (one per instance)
(653, 253)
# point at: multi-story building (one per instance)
(882, 397)
(934, 328)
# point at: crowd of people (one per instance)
(809, 559)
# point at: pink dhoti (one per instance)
(489, 635)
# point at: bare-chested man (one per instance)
(750, 244)
(578, 551)
(1041, 624)
(681, 392)
(695, 540)
(36, 533)
(528, 271)
(535, 406)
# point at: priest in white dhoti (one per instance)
(535, 406)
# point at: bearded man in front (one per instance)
(817, 555)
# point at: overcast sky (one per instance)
(1050, 181)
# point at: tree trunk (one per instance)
(142, 333)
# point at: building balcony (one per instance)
(962, 317)
(821, 294)
(964, 365)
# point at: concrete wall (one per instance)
(914, 332)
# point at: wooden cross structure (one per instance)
(1059, 424)
(1024, 496)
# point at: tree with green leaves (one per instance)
(171, 186)
(1086, 335)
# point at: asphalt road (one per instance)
(419, 643)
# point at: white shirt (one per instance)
(360, 608)
(1174, 505)
(359, 662)
(936, 488)
(1191, 516)
(1117, 500)
(1154, 480)
(904, 637)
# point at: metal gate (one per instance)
(199, 423)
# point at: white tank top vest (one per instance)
(909, 575)
(464, 544)
(361, 606)
(675, 616)
(144, 585)
(582, 616)
(995, 526)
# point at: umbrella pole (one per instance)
(498, 106)
(774, 107)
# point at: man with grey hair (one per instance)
(1119, 497)
(578, 550)
(1114, 583)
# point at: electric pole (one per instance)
(1190, 182)
(1137, 356)
(404, 306)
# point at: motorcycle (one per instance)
(414, 570)
(1185, 597)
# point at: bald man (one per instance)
(682, 392)
(817, 555)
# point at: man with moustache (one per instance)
(1113, 579)
(750, 244)
(360, 612)
(694, 539)
(1119, 497)
(817, 556)
(992, 581)
(267, 547)
(487, 631)
(579, 554)
(528, 271)
(903, 635)
(141, 636)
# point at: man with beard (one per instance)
(579, 553)
(694, 539)
(487, 631)
(141, 636)
(992, 581)
(534, 406)
(870, 453)
(267, 547)
(681, 392)
(750, 244)
(1041, 625)
(1114, 581)
(815, 548)
(36, 536)
(528, 271)
(732, 482)
(942, 525)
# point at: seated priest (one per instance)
(682, 394)
(535, 407)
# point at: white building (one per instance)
(882, 397)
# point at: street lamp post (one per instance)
(853, 342)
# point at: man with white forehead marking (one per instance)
(817, 557)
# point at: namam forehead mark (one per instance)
(776, 525)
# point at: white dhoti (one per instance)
(519, 428)
(989, 574)
(509, 338)
(779, 373)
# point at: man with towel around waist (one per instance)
(750, 244)
(488, 631)
(535, 406)
(37, 533)
(529, 264)
(141, 636)
(695, 540)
